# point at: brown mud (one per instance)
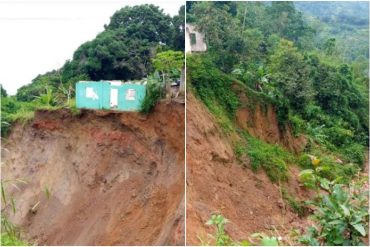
(99, 178)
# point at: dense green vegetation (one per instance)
(123, 51)
(325, 100)
(317, 84)
(346, 22)
(272, 158)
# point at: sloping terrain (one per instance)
(217, 183)
(261, 121)
(99, 178)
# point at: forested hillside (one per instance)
(122, 51)
(346, 22)
(262, 54)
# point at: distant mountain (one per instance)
(347, 22)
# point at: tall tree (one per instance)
(290, 74)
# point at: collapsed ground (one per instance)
(98, 178)
(220, 183)
(245, 165)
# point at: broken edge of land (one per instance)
(98, 178)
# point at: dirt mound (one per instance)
(216, 183)
(98, 178)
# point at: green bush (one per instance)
(304, 161)
(15, 111)
(341, 216)
(272, 158)
(11, 240)
(154, 90)
(354, 153)
(312, 111)
(211, 84)
(339, 136)
(298, 124)
(221, 238)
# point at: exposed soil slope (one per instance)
(217, 183)
(114, 179)
(261, 121)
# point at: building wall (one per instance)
(101, 95)
(124, 101)
(200, 44)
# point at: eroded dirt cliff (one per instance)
(99, 178)
(217, 183)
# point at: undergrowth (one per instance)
(10, 233)
(153, 93)
(297, 206)
(271, 157)
(221, 238)
(341, 215)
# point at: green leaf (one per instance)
(338, 241)
(245, 243)
(335, 222)
(345, 210)
(3, 192)
(270, 242)
(13, 205)
(360, 228)
(209, 222)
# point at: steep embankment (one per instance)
(99, 178)
(259, 118)
(217, 183)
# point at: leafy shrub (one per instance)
(13, 110)
(304, 161)
(327, 168)
(298, 124)
(11, 240)
(354, 153)
(341, 215)
(272, 158)
(221, 238)
(154, 90)
(211, 85)
(339, 136)
(312, 111)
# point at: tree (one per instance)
(166, 62)
(290, 74)
(123, 51)
(145, 22)
(3, 91)
(287, 22)
(329, 46)
(179, 31)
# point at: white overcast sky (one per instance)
(37, 36)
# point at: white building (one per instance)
(194, 40)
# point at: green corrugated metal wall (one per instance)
(102, 94)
